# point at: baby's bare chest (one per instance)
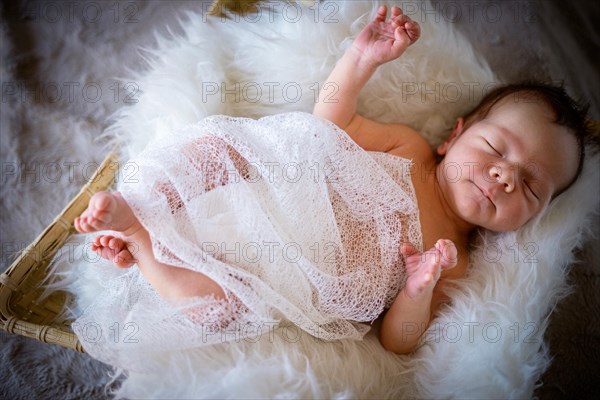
(435, 224)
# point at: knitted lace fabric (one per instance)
(291, 217)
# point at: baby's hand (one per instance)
(381, 41)
(424, 269)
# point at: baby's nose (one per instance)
(505, 177)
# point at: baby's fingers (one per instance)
(396, 11)
(413, 30)
(448, 253)
(399, 20)
(381, 13)
(407, 249)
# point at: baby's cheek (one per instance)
(518, 218)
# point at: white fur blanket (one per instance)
(488, 343)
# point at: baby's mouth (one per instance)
(484, 194)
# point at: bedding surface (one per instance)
(65, 71)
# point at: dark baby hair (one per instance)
(567, 112)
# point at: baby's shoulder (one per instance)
(415, 148)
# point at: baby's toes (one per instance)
(99, 221)
(106, 253)
(101, 201)
(102, 251)
(103, 240)
(124, 259)
(77, 225)
(84, 225)
(116, 243)
(80, 222)
(91, 224)
(104, 217)
(98, 241)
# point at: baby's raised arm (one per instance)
(379, 42)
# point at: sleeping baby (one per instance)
(331, 220)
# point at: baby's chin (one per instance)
(500, 227)
(490, 223)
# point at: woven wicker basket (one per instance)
(22, 310)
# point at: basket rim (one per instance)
(40, 252)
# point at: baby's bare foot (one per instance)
(114, 249)
(107, 211)
(424, 269)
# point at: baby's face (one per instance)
(503, 170)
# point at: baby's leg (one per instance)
(215, 161)
(207, 158)
(111, 211)
(169, 281)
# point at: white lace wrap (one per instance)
(288, 214)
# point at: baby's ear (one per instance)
(458, 129)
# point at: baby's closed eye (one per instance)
(530, 189)
(494, 149)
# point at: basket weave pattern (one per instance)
(22, 309)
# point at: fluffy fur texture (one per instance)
(488, 343)
(278, 62)
(499, 312)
